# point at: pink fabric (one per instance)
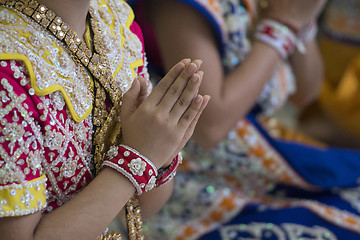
(40, 129)
(135, 28)
(152, 48)
(32, 133)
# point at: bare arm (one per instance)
(233, 95)
(86, 216)
(309, 72)
(151, 202)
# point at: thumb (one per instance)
(130, 100)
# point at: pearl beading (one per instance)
(136, 167)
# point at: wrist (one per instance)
(276, 35)
(167, 164)
(139, 170)
(284, 37)
(291, 25)
(167, 174)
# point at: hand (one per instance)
(190, 130)
(158, 126)
(295, 13)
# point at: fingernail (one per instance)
(181, 65)
(198, 98)
(195, 78)
(186, 61)
(192, 67)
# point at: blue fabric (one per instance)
(276, 218)
(327, 168)
(323, 167)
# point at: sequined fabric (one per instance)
(46, 101)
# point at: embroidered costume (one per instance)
(255, 185)
(47, 99)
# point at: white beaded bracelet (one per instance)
(137, 168)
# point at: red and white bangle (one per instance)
(165, 175)
(136, 167)
(276, 35)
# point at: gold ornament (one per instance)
(107, 124)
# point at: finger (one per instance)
(192, 125)
(163, 86)
(198, 63)
(143, 93)
(187, 96)
(177, 88)
(130, 99)
(190, 113)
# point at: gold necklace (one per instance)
(107, 125)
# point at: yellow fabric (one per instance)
(23, 199)
(70, 99)
(340, 98)
(136, 63)
(40, 91)
(48, 90)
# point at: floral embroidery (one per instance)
(34, 159)
(113, 152)
(53, 140)
(51, 133)
(13, 132)
(137, 166)
(151, 184)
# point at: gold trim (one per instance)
(106, 123)
(48, 90)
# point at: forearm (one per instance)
(90, 212)
(85, 216)
(237, 95)
(308, 70)
(151, 202)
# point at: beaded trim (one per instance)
(94, 62)
(134, 221)
(23, 199)
(136, 167)
(110, 236)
